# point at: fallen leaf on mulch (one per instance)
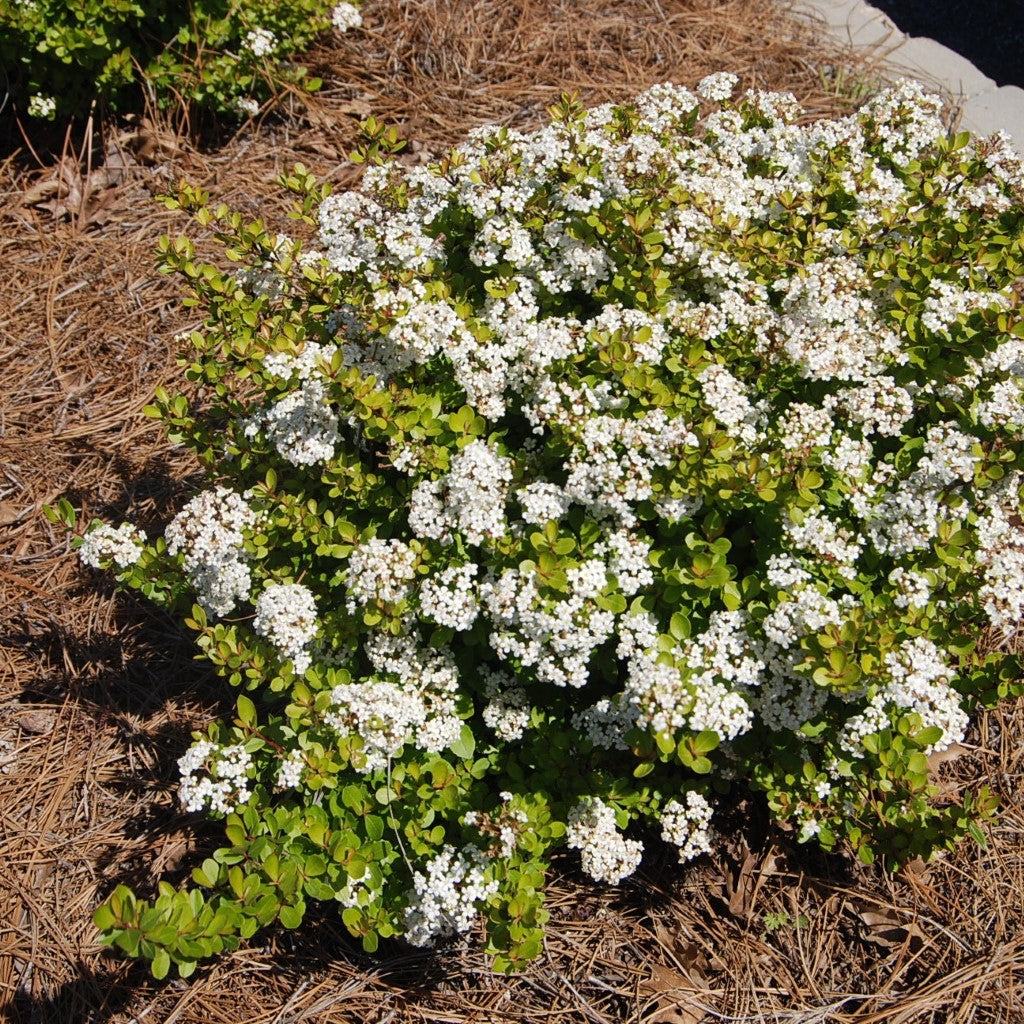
(889, 928)
(678, 998)
(72, 192)
(36, 723)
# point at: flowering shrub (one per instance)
(61, 54)
(564, 486)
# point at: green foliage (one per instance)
(769, 589)
(62, 55)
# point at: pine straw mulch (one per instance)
(98, 693)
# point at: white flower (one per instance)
(606, 855)
(444, 899)
(260, 42)
(214, 776)
(687, 826)
(208, 533)
(247, 106)
(286, 616)
(346, 16)
(104, 543)
(380, 570)
(718, 86)
(44, 107)
(301, 426)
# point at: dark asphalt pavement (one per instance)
(989, 33)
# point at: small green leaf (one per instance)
(103, 917)
(706, 741)
(161, 963)
(246, 710)
(465, 745)
(291, 916)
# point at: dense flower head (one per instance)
(345, 16)
(214, 776)
(121, 545)
(672, 443)
(209, 534)
(286, 616)
(606, 855)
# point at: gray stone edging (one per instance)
(984, 107)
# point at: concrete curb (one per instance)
(984, 106)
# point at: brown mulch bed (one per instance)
(98, 692)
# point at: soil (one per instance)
(989, 33)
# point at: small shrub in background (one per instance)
(227, 57)
(576, 482)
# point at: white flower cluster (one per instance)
(208, 533)
(471, 498)
(44, 107)
(718, 86)
(444, 899)
(920, 681)
(345, 16)
(507, 710)
(820, 535)
(380, 570)
(286, 616)
(121, 545)
(554, 638)
(612, 467)
(260, 42)
(703, 684)
(301, 426)
(214, 776)
(542, 502)
(606, 723)
(629, 560)
(948, 302)
(605, 854)
(1001, 556)
(913, 589)
(727, 399)
(410, 700)
(290, 770)
(686, 826)
(449, 599)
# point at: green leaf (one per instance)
(103, 917)
(679, 626)
(465, 745)
(706, 741)
(291, 916)
(246, 710)
(161, 964)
